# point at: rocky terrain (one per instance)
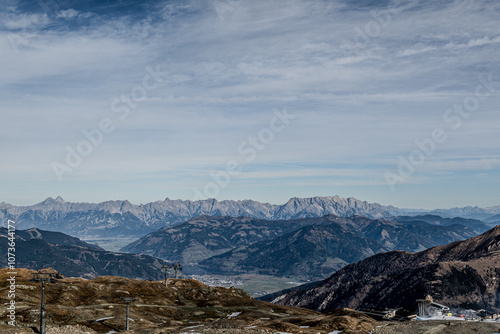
(37, 248)
(80, 306)
(438, 327)
(462, 274)
(93, 306)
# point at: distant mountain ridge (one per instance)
(122, 218)
(474, 212)
(476, 225)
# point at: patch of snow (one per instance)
(440, 317)
(277, 299)
(235, 314)
(494, 321)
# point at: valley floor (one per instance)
(255, 285)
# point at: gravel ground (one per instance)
(50, 330)
(70, 330)
(438, 327)
(421, 327)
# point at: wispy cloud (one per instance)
(225, 73)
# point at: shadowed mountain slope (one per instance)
(461, 274)
(35, 249)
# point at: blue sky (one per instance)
(181, 89)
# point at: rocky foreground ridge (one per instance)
(181, 307)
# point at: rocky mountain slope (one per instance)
(202, 237)
(307, 248)
(411, 236)
(313, 252)
(462, 274)
(36, 248)
(184, 306)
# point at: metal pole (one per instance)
(127, 326)
(127, 300)
(42, 309)
(166, 275)
(39, 277)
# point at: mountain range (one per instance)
(305, 248)
(122, 218)
(463, 274)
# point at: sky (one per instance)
(395, 102)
